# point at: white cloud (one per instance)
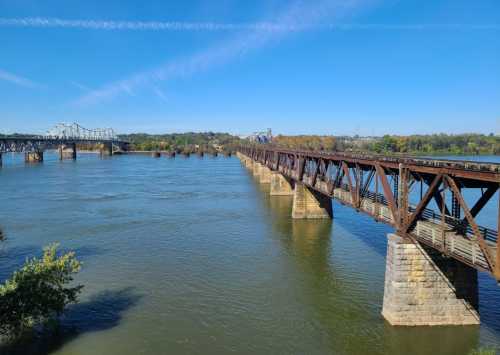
(17, 80)
(298, 14)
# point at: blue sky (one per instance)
(297, 66)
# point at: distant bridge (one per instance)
(63, 137)
(432, 257)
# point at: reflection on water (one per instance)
(311, 244)
(192, 256)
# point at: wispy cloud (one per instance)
(18, 80)
(110, 25)
(296, 15)
(80, 86)
(160, 93)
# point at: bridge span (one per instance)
(63, 137)
(435, 253)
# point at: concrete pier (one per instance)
(310, 204)
(67, 151)
(422, 287)
(33, 157)
(249, 163)
(280, 186)
(256, 169)
(107, 150)
(265, 175)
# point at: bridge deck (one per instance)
(21, 144)
(355, 180)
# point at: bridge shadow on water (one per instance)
(344, 303)
(101, 312)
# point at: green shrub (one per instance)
(38, 292)
(483, 351)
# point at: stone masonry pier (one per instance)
(280, 186)
(33, 157)
(310, 204)
(424, 288)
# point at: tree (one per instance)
(38, 292)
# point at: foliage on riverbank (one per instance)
(207, 142)
(443, 144)
(38, 292)
(307, 142)
(483, 351)
(469, 144)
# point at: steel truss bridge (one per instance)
(399, 191)
(60, 135)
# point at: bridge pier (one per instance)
(1, 162)
(280, 186)
(422, 287)
(249, 163)
(265, 175)
(65, 154)
(256, 169)
(33, 157)
(310, 204)
(107, 149)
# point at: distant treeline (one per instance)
(191, 142)
(469, 144)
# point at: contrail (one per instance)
(17, 80)
(42, 22)
(299, 15)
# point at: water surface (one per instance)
(192, 256)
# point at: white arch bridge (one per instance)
(64, 137)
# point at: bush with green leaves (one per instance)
(38, 292)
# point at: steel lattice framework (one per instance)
(75, 131)
(399, 191)
(59, 135)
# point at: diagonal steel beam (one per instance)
(423, 203)
(477, 233)
(389, 196)
(483, 200)
(349, 182)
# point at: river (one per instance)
(192, 256)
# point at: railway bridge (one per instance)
(438, 246)
(65, 138)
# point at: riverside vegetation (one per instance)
(435, 144)
(207, 142)
(443, 144)
(38, 292)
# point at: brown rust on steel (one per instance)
(388, 194)
(482, 243)
(349, 183)
(462, 169)
(483, 200)
(423, 203)
(497, 263)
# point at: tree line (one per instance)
(191, 142)
(459, 144)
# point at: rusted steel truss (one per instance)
(434, 202)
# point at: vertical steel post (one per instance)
(497, 262)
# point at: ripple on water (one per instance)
(192, 256)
